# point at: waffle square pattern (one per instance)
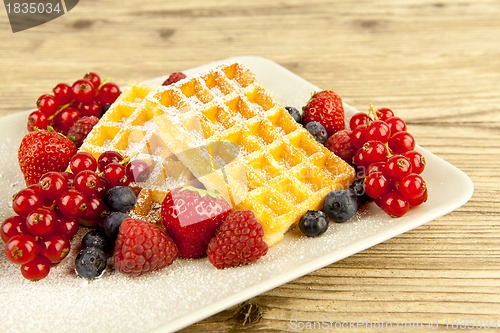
(223, 130)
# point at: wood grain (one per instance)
(436, 63)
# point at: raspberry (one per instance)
(81, 128)
(238, 241)
(340, 144)
(174, 77)
(142, 247)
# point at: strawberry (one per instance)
(191, 217)
(142, 247)
(326, 108)
(43, 151)
(238, 241)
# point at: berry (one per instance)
(313, 223)
(411, 186)
(359, 119)
(53, 184)
(37, 120)
(191, 217)
(91, 215)
(91, 109)
(21, 249)
(82, 161)
(119, 199)
(340, 205)
(116, 174)
(340, 144)
(174, 77)
(142, 247)
(138, 171)
(384, 113)
(87, 182)
(41, 222)
(397, 167)
(294, 113)
(109, 92)
(111, 224)
(96, 238)
(36, 269)
(25, 201)
(108, 157)
(81, 128)
(47, 104)
(93, 78)
(72, 204)
(401, 142)
(377, 130)
(63, 94)
(358, 136)
(418, 200)
(83, 91)
(371, 152)
(358, 188)
(65, 119)
(67, 227)
(238, 241)
(90, 263)
(43, 151)
(396, 124)
(317, 131)
(326, 108)
(12, 226)
(55, 248)
(394, 204)
(417, 161)
(376, 185)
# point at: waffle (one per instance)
(128, 128)
(236, 138)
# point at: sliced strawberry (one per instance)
(326, 108)
(191, 217)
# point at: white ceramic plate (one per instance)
(191, 290)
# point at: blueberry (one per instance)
(313, 223)
(105, 108)
(96, 238)
(358, 188)
(90, 263)
(112, 222)
(120, 199)
(317, 131)
(340, 205)
(294, 113)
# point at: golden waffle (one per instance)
(128, 128)
(237, 139)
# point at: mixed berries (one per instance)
(86, 97)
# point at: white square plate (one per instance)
(191, 290)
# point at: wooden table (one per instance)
(436, 63)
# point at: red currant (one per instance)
(92, 108)
(95, 207)
(63, 94)
(378, 130)
(36, 269)
(87, 182)
(53, 184)
(72, 204)
(67, 227)
(12, 226)
(82, 161)
(83, 91)
(69, 178)
(47, 104)
(25, 201)
(371, 152)
(401, 142)
(411, 186)
(41, 222)
(138, 171)
(108, 157)
(394, 204)
(376, 167)
(21, 249)
(116, 174)
(396, 124)
(377, 185)
(65, 119)
(94, 78)
(397, 167)
(417, 161)
(358, 136)
(37, 119)
(358, 119)
(384, 113)
(109, 92)
(419, 200)
(55, 248)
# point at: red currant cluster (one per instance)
(85, 97)
(384, 152)
(50, 212)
